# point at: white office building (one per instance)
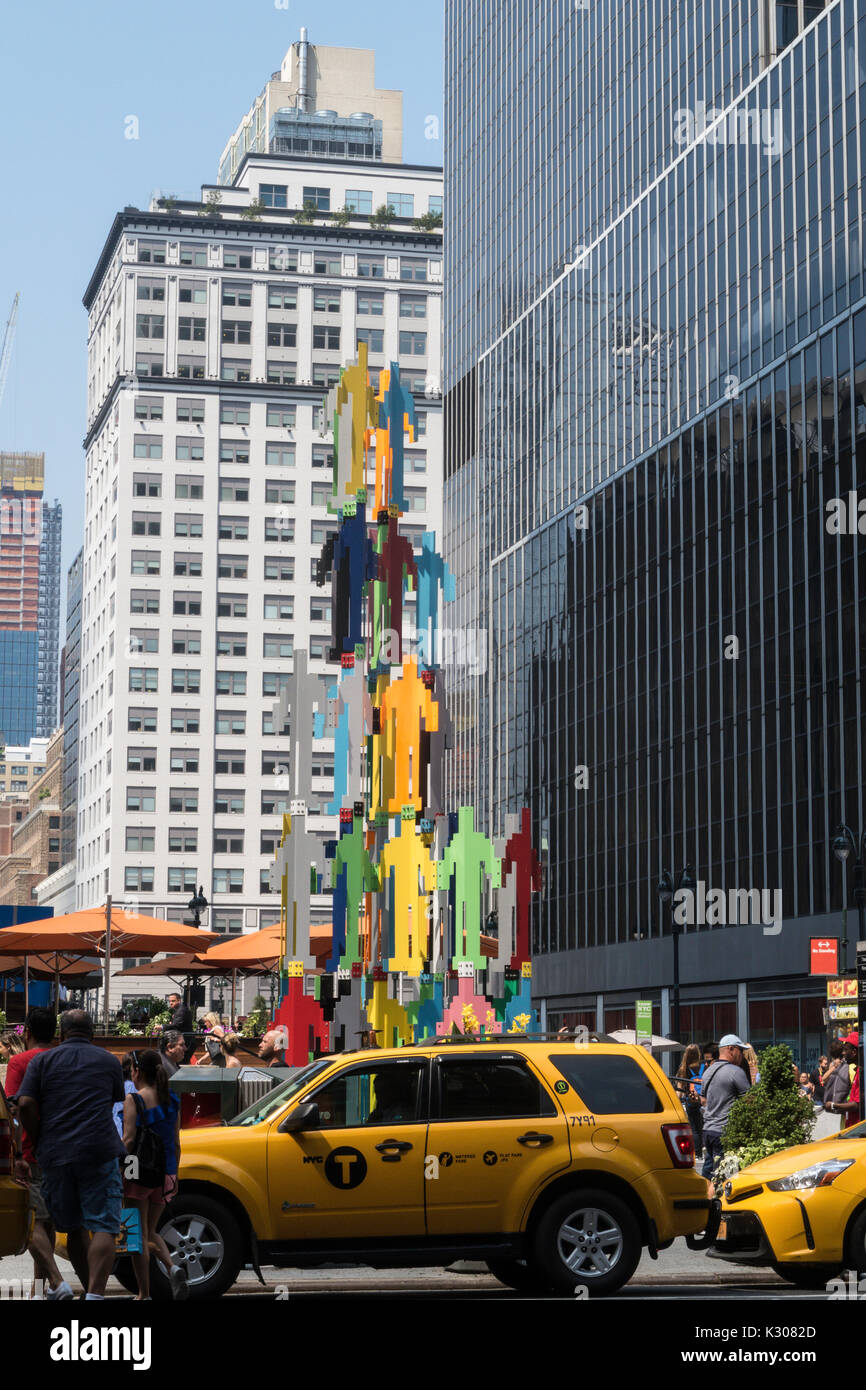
(216, 327)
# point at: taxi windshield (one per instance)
(276, 1099)
(855, 1132)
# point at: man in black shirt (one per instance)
(66, 1104)
(181, 1020)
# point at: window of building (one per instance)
(274, 803)
(147, 364)
(150, 325)
(281, 259)
(227, 923)
(148, 408)
(183, 802)
(279, 529)
(234, 370)
(278, 606)
(279, 569)
(230, 722)
(280, 455)
(231, 644)
(191, 330)
(192, 526)
(434, 204)
(235, 413)
(227, 762)
(234, 451)
(147, 484)
(144, 639)
(237, 295)
(326, 265)
(186, 643)
(273, 195)
(140, 841)
(279, 492)
(326, 301)
(143, 678)
(182, 841)
(281, 416)
(181, 881)
(231, 606)
(228, 880)
(323, 456)
(228, 803)
(190, 368)
(138, 880)
(225, 842)
(234, 528)
(412, 344)
(145, 524)
(282, 335)
(412, 269)
(231, 682)
(188, 563)
(192, 292)
(185, 682)
(152, 253)
(187, 604)
(373, 337)
(282, 297)
(321, 494)
(319, 197)
(277, 647)
(372, 305)
(359, 200)
(190, 411)
(237, 260)
(140, 601)
(185, 721)
(183, 760)
(371, 267)
(150, 289)
(234, 490)
(232, 567)
(189, 487)
(281, 373)
(413, 306)
(141, 721)
(147, 446)
(141, 798)
(236, 331)
(402, 203)
(193, 255)
(320, 610)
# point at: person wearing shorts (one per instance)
(153, 1107)
(65, 1102)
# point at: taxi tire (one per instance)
(518, 1275)
(553, 1268)
(221, 1219)
(856, 1245)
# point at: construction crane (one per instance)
(7, 345)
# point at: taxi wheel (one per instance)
(517, 1274)
(205, 1239)
(588, 1237)
(856, 1245)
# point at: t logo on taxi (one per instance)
(345, 1168)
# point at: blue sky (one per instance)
(69, 75)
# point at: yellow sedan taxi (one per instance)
(801, 1212)
(15, 1217)
(556, 1164)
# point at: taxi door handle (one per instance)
(534, 1139)
(393, 1147)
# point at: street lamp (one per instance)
(666, 890)
(197, 906)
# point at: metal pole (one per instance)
(234, 984)
(676, 935)
(26, 985)
(860, 896)
(107, 967)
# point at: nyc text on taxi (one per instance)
(555, 1164)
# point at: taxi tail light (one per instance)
(198, 1109)
(681, 1144)
(6, 1149)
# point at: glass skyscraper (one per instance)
(656, 424)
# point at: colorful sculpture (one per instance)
(410, 885)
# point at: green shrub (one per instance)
(772, 1115)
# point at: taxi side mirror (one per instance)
(302, 1117)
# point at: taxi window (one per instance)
(387, 1093)
(609, 1084)
(490, 1088)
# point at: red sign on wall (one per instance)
(824, 955)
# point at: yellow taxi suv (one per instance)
(802, 1211)
(556, 1164)
(15, 1218)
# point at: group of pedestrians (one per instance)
(80, 1166)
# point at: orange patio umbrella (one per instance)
(86, 933)
(259, 950)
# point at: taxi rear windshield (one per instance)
(607, 1084)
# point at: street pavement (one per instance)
(678, 1273)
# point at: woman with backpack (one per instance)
(151, 1123)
